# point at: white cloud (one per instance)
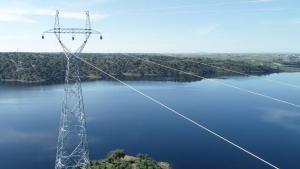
(26, 14)
(6, 17)
(262, 1)
(80, 15)
(81, 3)
(241, 2)
(253, 1)
(283, 23)
(206, 29)
(179, 8)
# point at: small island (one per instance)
(118, 159)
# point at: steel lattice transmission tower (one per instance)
(72, 147)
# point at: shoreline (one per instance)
(10, 82)
(49, 68)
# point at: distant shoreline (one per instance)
(49, 68)
(22, 82)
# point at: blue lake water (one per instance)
(120, 118)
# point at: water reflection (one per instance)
(120, 118)
(284, 118)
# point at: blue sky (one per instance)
(157, 25)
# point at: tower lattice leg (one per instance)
(72, 149)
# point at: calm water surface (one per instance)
(120, 118)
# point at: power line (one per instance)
(180, 114)
(245, 74)
(72, 147)
(222, 83)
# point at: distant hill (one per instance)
(50, 67)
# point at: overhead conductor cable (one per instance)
(179, 114)
(246, 74)
(219, 82)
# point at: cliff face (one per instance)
(118, 159)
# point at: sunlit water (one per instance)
(120, 118)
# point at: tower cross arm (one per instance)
(73, 31)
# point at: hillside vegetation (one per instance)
(50, 67)
(118, 159)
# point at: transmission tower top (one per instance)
(87, 31)
(72, 146)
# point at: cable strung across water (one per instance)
(245, 74)
(222, 83)
(180, 114)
